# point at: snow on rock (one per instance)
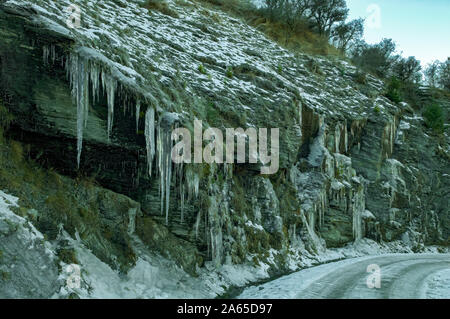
(154, 277)
(27, 261)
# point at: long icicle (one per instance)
(110, 85)
(78, 70)
(138, 112)
(94, 77)
(150, 137)
(165, 159)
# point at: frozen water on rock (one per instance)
(193, 182)
(95, 81)
(149, 133)
(85, 74)
(215, 233)
(78, 71)
(138, 113)
(317, 242)
(318, 150)
(358, 211)
(132, 220)
(164, 149)
(110, 86)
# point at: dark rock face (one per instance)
(346, 171)
(399, 192)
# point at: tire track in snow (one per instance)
(402, 276)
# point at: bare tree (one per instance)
(294, 13)
(432, 73)
(377, 59)
(303, 8)
(444, 74)
(407, 70)
(345, 33)
(274, 8)
(326, 13)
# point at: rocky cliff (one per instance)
(99, 101)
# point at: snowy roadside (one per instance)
(437, 286)
(157, 277)
(328, 260)
(288, 287)
(401, 276)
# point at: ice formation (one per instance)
(149, 133)
(132, 220)
(315, 240)
(181, 187)
(85, 74)
(49, 52)
(110, 87)
(78, 70)
(138, 114)
(94, 75)
(164, 150)
(358, 211)
(192, 181)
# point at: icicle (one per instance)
(311, 217)
(300, 112)
(77, 69)
(182, 202)
(197, 223)
(315, 240)
(165, 158)
(46, 53)
(345, 136)
(149, 136)
(110, 85)
(138, 112)
(192, 183)
(215, 231)
(53, 53)
(94, 77)
(85, 96)
(322, 205)
(180, 182)
(358, 209)
(131, 220)
(337, 138)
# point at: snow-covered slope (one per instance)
(105, 95)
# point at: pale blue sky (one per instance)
(420, 28)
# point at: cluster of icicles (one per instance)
(87, 79)
(83, 75)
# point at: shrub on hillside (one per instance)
(434, 117)
(393, 90)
